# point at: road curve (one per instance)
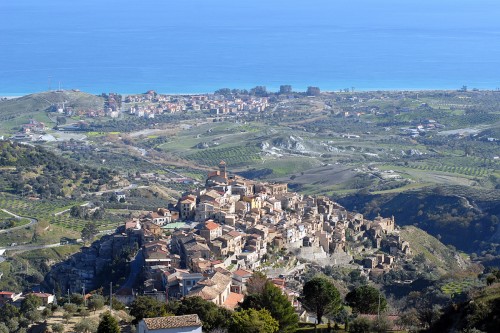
(33, 221)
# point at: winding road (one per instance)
(33, 221)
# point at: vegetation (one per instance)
(320, 296)
(146, 307)
(479, 313)
(43, 174)
(108, 324)
(366, 299)
(211, 315)
(253, 321)
(271, 298)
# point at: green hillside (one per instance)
(434, 251)
(480, 314)
(14, 112)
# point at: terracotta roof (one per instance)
(172, 322)
(235, 233)
(242, 273)
(211, 225)
(232, 300)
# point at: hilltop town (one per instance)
(216, 237)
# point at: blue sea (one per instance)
(191, 46)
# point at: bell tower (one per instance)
(222, 169)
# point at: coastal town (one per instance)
(195, 196)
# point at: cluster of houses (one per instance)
(150, 104)
(30, 131)
(17, 298)
(424, 126)
(231, 224)
(212, 241)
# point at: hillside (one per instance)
(34, 171)
(466, 218)
(16, 111)
(481, 313)
(435, 252)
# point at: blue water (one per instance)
(202, 45)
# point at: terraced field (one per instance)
(44, 211)
(234, 156)
(457, 287)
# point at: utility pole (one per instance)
(83, 294)
(69, 298)
(378, 306)
(111, 297)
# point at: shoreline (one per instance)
(392, 90)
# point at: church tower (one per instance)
(222, 169)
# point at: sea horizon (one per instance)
(395, 90)
(196, 46)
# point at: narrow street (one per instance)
(135, 269)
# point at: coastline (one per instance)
(11, 95)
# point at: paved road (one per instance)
(121, 189)
(67, 210)
(32, 222)
(135, 269)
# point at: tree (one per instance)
(8, 311)
(147, 307)
(47, 312)
(89, 231)
(84, 313)
(108, 324)
(260, 91)
(96, 302)
(256, 283)
(77, 299)
(313, 91)
(61, 120)
(285, 89)
(272, 298)
(58, 328)
(366, 299)
(86, 326)
(67, 316)
(253, 321)
(30, 303)
(321, 296)
(33, 315)
(210, 314)
(381, 325)
(360, 325)
(12, 324)
(70, 307)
